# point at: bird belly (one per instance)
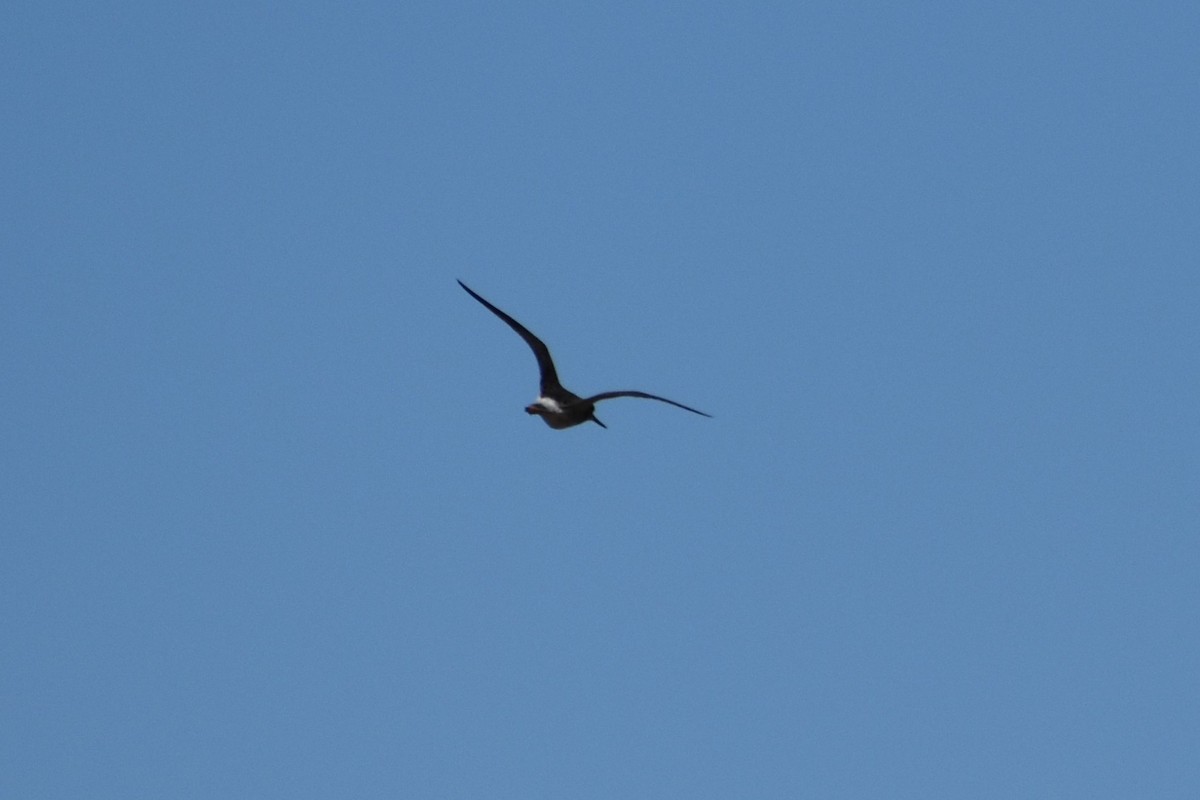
(558, 417)
(560, 421)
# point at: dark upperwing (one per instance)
(596, 398)
(549, 382)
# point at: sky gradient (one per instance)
(274, 523)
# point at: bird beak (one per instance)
(533, 408)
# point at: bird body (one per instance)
(558, 407)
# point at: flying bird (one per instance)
(557, 406)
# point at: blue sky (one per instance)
(274, 523)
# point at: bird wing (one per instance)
(596, 398)
(549, 380)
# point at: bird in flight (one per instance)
(557, 406)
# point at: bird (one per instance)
(558, 407)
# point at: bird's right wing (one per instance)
(549, 378)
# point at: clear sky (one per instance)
(273, 523)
